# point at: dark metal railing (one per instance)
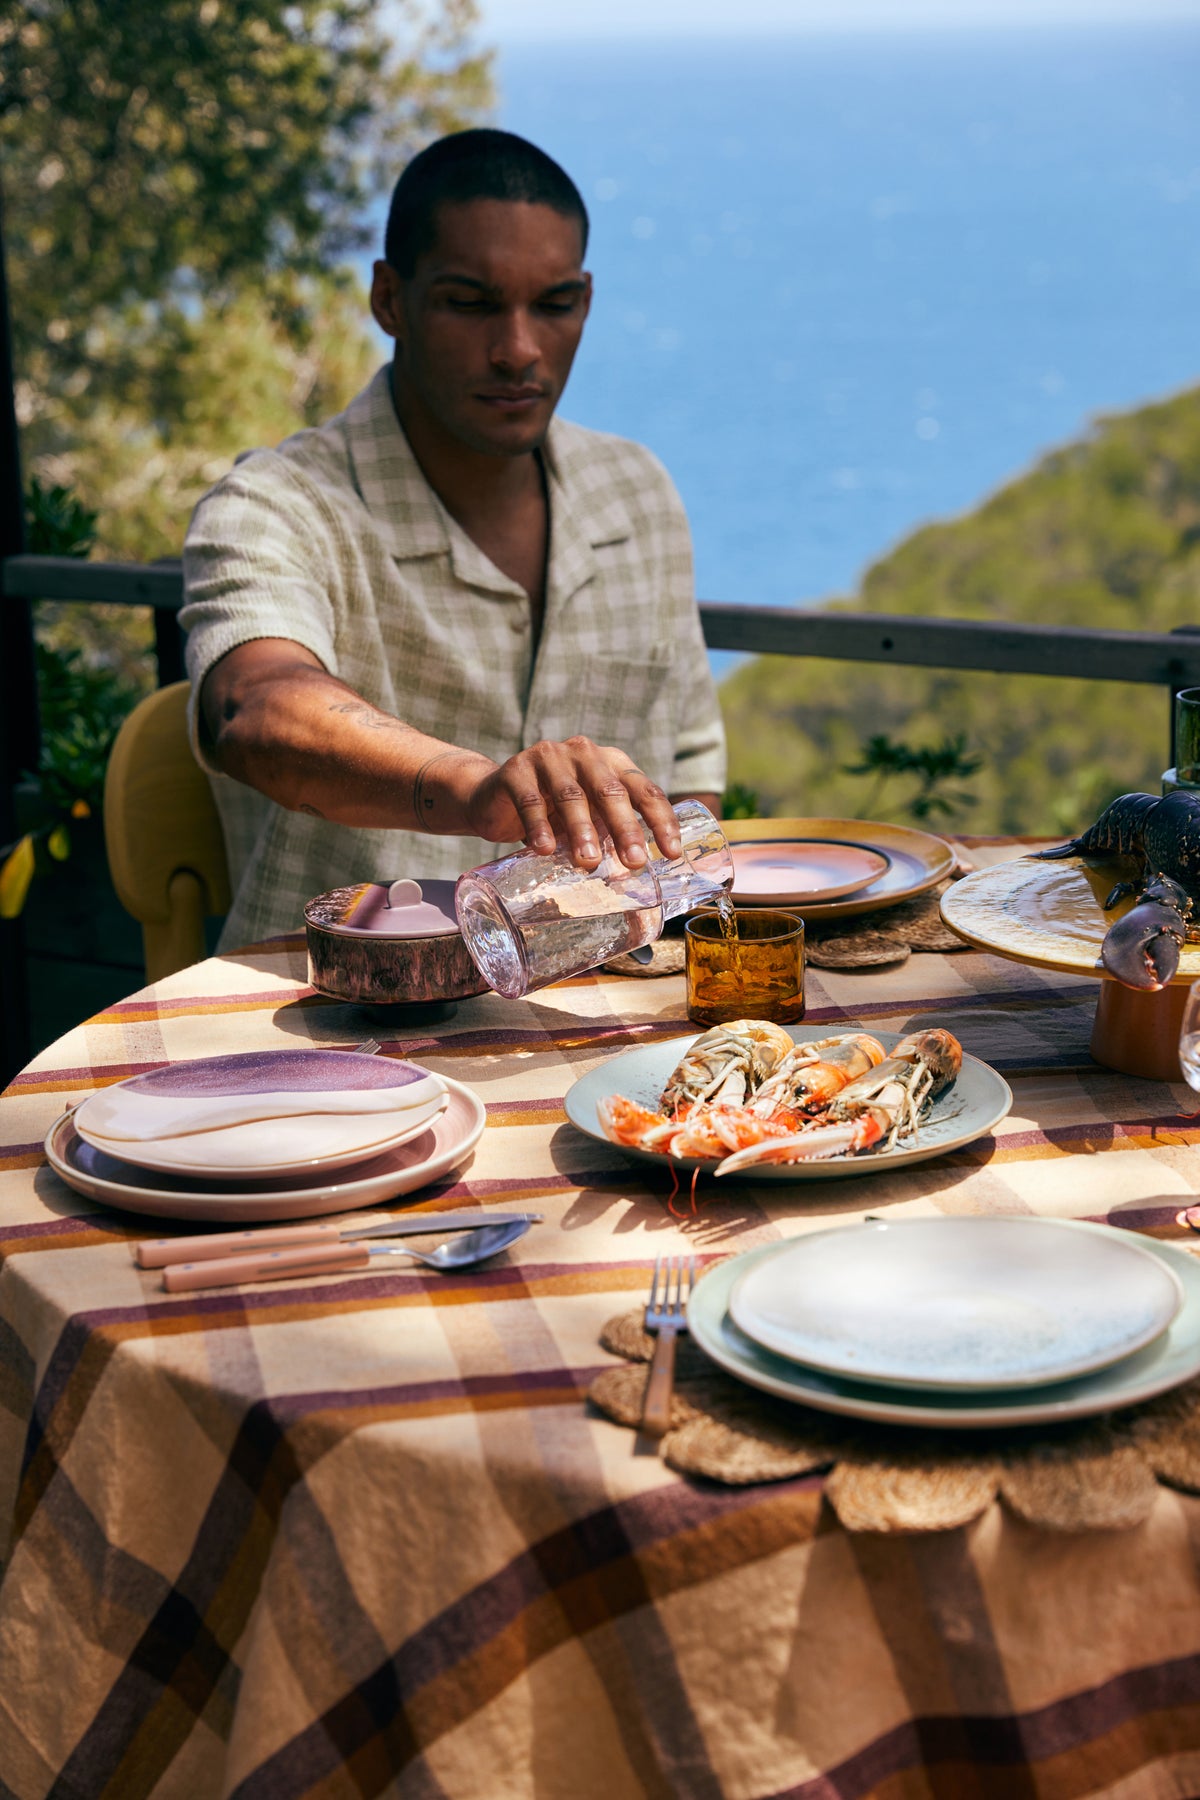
(1152, 658)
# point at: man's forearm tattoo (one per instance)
(313, 812)
(370, 716)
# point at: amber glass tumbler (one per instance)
(757, 975)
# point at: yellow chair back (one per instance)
(166, 854)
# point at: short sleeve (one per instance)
(256, 564)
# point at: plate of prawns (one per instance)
(758, 1101)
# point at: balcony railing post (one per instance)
(18, 701)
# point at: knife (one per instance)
(157, 1253)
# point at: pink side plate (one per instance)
(444, 1146)
(791, 873)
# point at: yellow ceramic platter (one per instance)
(1045, 913)
(916, 859)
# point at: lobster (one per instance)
(1142, 949)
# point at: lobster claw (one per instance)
(1142, 949)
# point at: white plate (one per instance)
(441, 1147)
(255, 1113)
(1172, 1358)
(978, 1100)
(254, 1151)
(957, 1303)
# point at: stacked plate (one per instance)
(266, 1134)
(956, 1322)
(833, 868)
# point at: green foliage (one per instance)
(187, 173)
(82, 708)
(57, 523)
(1105, 532)
(162, 152)
(81, 705)
(740, 802)
(932, 764)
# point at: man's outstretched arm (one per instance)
(276, 719)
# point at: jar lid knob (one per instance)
(405, 893)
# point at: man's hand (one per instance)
(576, 790)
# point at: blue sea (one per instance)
(846, 285)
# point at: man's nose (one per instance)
(515, 345)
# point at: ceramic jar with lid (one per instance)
(390, 945)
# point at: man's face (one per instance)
(488, 324)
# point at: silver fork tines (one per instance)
(666, 1316)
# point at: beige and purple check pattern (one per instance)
(336, 541)
(361, 1536)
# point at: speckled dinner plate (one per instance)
(958, 1302)
(1173, 1358)
(1048, 914)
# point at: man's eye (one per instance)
(558, 306)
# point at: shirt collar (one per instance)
(414, 523)
(407, 513)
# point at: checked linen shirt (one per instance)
(336, 541)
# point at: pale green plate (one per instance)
(977, 1102)
(1171, 1359)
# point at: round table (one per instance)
(363, 1534)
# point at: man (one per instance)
(446, 621)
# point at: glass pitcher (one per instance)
(528, 920)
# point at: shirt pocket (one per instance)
(622, 700)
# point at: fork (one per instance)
(666, 1317)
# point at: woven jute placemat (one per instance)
(872, 940)
(1092, 1475)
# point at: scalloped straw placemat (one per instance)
(1093, 1475)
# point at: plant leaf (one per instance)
(59, 843)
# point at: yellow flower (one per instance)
(15, 878)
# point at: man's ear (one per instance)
(386, 306)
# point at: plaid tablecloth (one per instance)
(361, 1535)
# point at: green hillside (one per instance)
(1105, 532)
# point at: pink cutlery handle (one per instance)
(160, 1251)
(656, 1408)
(232, 1271)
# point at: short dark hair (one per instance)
(472, 165)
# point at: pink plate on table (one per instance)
(442, 1146)
(788, 874)
(260, 1114)
(914, 862)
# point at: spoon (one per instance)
(231, 1271)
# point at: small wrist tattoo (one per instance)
(423, 803)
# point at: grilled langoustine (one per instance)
(835, 1096)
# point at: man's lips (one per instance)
(512, 399)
